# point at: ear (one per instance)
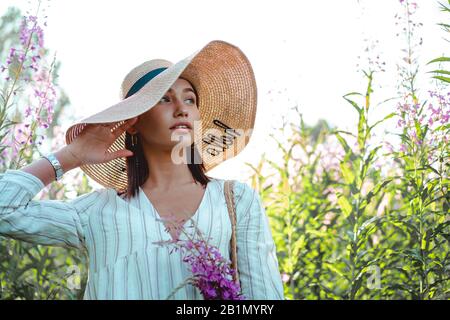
(132, 129)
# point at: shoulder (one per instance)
(244, 194)
(90, 199)
(242, 191)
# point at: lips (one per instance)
(187, 124)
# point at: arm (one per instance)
(54, 222)
(257, 260)
(43, 170)
(46, 222)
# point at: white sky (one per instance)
(306, 51)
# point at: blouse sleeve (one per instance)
(256, 252)
(46, 222)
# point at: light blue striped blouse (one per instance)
(120, 235)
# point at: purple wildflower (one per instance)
(38, 112)
(212, 273)
(429, 121)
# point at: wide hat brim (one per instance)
(226, 87)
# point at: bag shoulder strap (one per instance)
(229, 196)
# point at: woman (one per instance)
(140, 150)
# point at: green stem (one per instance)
(189, 280)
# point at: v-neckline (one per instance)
(158, 217)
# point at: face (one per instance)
(179, 103)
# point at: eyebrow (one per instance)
(184, 90)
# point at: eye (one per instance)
(168, 99)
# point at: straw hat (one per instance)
(225, 84)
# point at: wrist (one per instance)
(67, 159)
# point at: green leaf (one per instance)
(439, 71)
(343, 142)
(423, 245)
(320, 234)
(446, 26)
(445, 79)
(347, 173)
(346, 207)
(368, 222)
(414, 254)
(377, 189)
(441, 59)
(368, 161)
(331, 267)
(346, 132)
(393, 114)
(353, 103)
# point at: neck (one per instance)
(164, 173)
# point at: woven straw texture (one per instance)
(229, 197)
(227, 95)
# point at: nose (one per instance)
(180, 108)
(182, 113)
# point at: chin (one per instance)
(181, 138)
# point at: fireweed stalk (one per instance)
(422, 157)
(425, 126)
(32, 272)
(24, 68)
(212, 273)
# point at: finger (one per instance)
(123, 127)
(104, 126)
(124, 153)
(130, 122)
